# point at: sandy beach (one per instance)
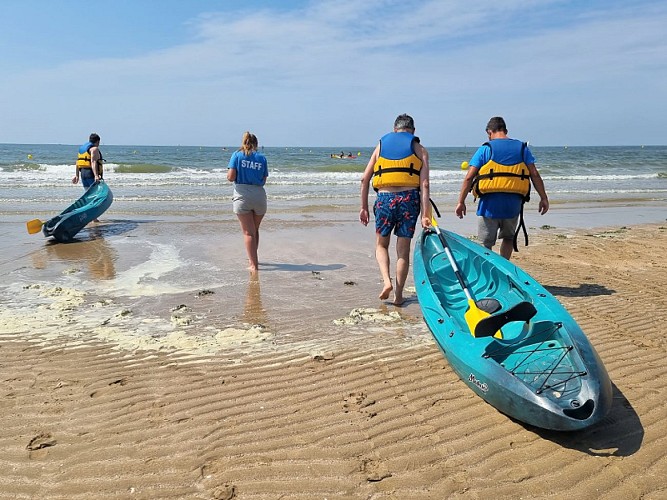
(142, 362)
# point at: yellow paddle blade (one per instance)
(34, 226)
(474, 315)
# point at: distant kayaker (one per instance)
(89, 162)
(500, 174)
(399, 171)
(248, 170)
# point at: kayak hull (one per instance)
(94, 202)
(543, 371)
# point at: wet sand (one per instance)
(142, 362)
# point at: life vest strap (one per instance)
(390, 170)
(476, 191)
(523, 175)
(521, 225)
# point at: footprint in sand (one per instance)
(324, 356)
(38, 447)
(374, 471)
(109, 386)
(359, 401)
(225, 492)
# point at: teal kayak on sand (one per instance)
(94, 202)
(521, 351)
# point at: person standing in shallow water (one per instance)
(89, 163)
(399, 171)
(248, 170)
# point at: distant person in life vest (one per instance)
(89, 162)
(399, 172)
(500, 175)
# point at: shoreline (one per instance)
(134, 284)
(564, 214)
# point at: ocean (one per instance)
(168, 257)
(191, 180)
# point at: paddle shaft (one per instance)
(458, 274)
(474, 315)
(452, 261)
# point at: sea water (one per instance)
(36, 178)
(146, 289)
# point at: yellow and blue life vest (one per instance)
(83, 160)
(496, 177)
(397, 164)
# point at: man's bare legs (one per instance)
(250, 226)
(402, 266)
(382, 256)
(506, 248)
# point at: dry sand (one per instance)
(121, 379)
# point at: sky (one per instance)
(332, 73)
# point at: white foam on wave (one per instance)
(598, 177)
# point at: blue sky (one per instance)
(332, 73)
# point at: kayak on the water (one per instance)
(342, 155)
(94, 202)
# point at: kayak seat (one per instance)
(487, 327)
(441, 267)
(501, 285)
(443, 280)
(473, 270)
(450, 295)
(485, 280)
(537, 332)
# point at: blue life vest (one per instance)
(397, 164)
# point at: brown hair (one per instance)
(248, 143)
(496, 124)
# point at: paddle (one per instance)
(474, 314)
(34, 226)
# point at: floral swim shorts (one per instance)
(397, 211)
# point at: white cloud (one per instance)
(338, 73)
